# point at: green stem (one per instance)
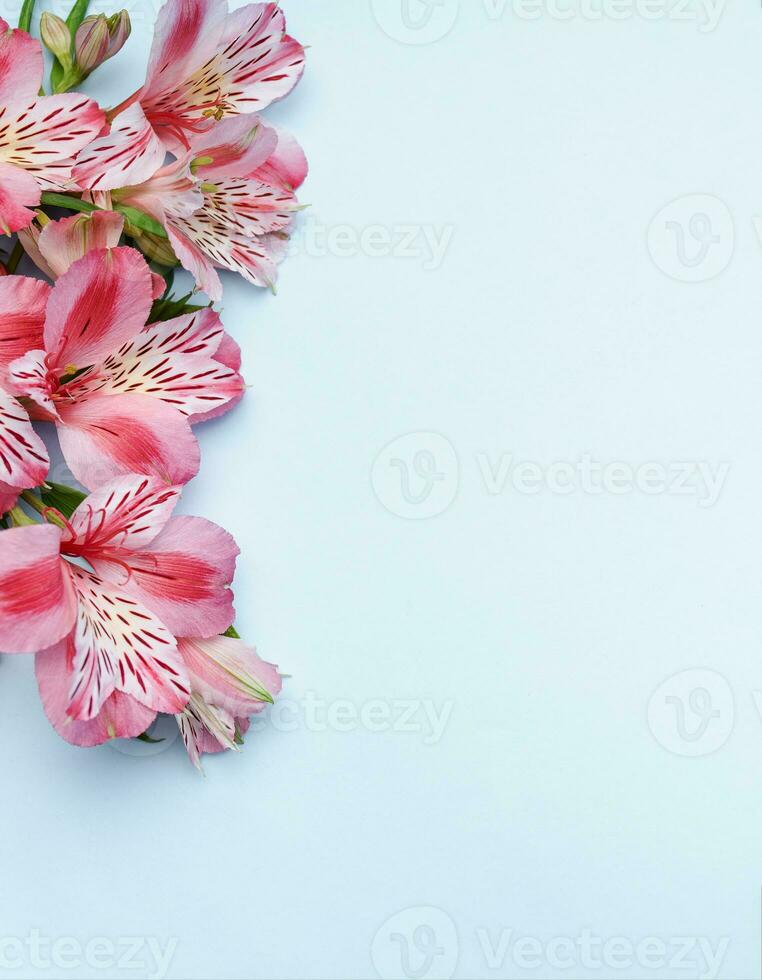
(25, 17)
(49, 513)
(19, 518)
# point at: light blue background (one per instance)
(544, 622)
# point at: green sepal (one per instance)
(141, 220)
(62, 498)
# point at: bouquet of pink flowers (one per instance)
(127, 608)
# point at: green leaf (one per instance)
(76, 15)
(138, 219)
(65, 201)
(167, 308)
(25, 17)
(62, 498)
(145, 737)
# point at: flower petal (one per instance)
(126, 513)
(22, 315)
(100, 303)
(249, 207)
(205, 240)
(183, 576)
(120, 717)
(35, 132)
(19, 192)
(260, 62)
(61, 243)
(187, 34)
(30, 377)
(21, 64)
(37, 605)
(23, 457)
(229, 674)
(287, 167)
(237, 146)
(106, 436)
(120, 645)
(130, 153)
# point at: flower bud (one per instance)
(56, 37)
(100, 38)
(119, 29)
(91, 43)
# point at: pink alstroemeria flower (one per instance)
(206, 63)
(149, 576)
(229, 684)
(228, 203)
(122, 395)
(39, 135)
(228, 681)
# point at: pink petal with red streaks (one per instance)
(119, 645)
(21, 64)
(120, 717)
(106, 436)
(183, 575)
(129, 153)
(128, 512)
(37, 603)
(101, 302)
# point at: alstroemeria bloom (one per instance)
(226, 204)
(206, 64)
(39, 135)
(55, 245)
(229, 684)
(148, 577)
(122, 395)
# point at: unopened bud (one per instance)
(100, 38)
(119, 29)
(91, 43)
(56, 37)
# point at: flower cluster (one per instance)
(127, 606)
